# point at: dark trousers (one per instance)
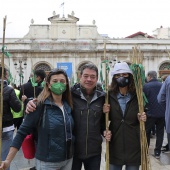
(92, 163)
(17, 122)
(159, 124)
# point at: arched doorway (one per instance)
(164, 69)
(42, 66)
(79, 68)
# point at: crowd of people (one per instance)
(70, 121)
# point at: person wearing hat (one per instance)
(124, 147)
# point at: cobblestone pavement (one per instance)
(20, 163)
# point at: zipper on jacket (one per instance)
(64, 129)
(87, 130)
(124, 150)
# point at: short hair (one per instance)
(152, 74)
(5, 70)
(40, 73)
(89, 66)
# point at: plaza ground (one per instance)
(20, 163)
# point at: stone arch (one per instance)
(164, 68)
(43, 66)
(83, 63)
(79, 67)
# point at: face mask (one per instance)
(58, 88)
(43, 84)
(122, 81)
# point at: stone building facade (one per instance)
(67, 45)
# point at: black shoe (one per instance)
(165, 148)
(33, 168)
(157, 155)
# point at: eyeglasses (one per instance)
(121, 75)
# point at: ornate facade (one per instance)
(67, 45)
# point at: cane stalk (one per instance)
(106, 101)
(138, 75)
(33, 79)
(2, 90)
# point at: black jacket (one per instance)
(89, 122)
(28, 90)
(124, 147)
(10, 100)
(151, 90)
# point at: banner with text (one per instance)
(67, 66)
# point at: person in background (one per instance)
(54, 125)
(10, 100)
(164, 99)
(17, 116)
(124, 147)
(27, 90)
(165, 148)
(155, 112)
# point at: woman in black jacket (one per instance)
(124, 146)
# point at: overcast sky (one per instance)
(117, 18)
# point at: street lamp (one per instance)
(20, 69)
(112, 62)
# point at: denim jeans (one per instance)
(92, 163)
(64, 165)
(7, 138)
(119, 167)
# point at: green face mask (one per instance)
(58, 88)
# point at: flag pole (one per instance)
(106, 101)
(2, 84)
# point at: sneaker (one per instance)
(157, 155)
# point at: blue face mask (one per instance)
(58, 88)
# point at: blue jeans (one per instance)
(92, 163)
(7, 138)
(64, 165)
(119, 167)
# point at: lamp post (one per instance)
(112, 62)
(20, 68)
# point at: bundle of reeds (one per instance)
(106, 101)
(139, 79)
